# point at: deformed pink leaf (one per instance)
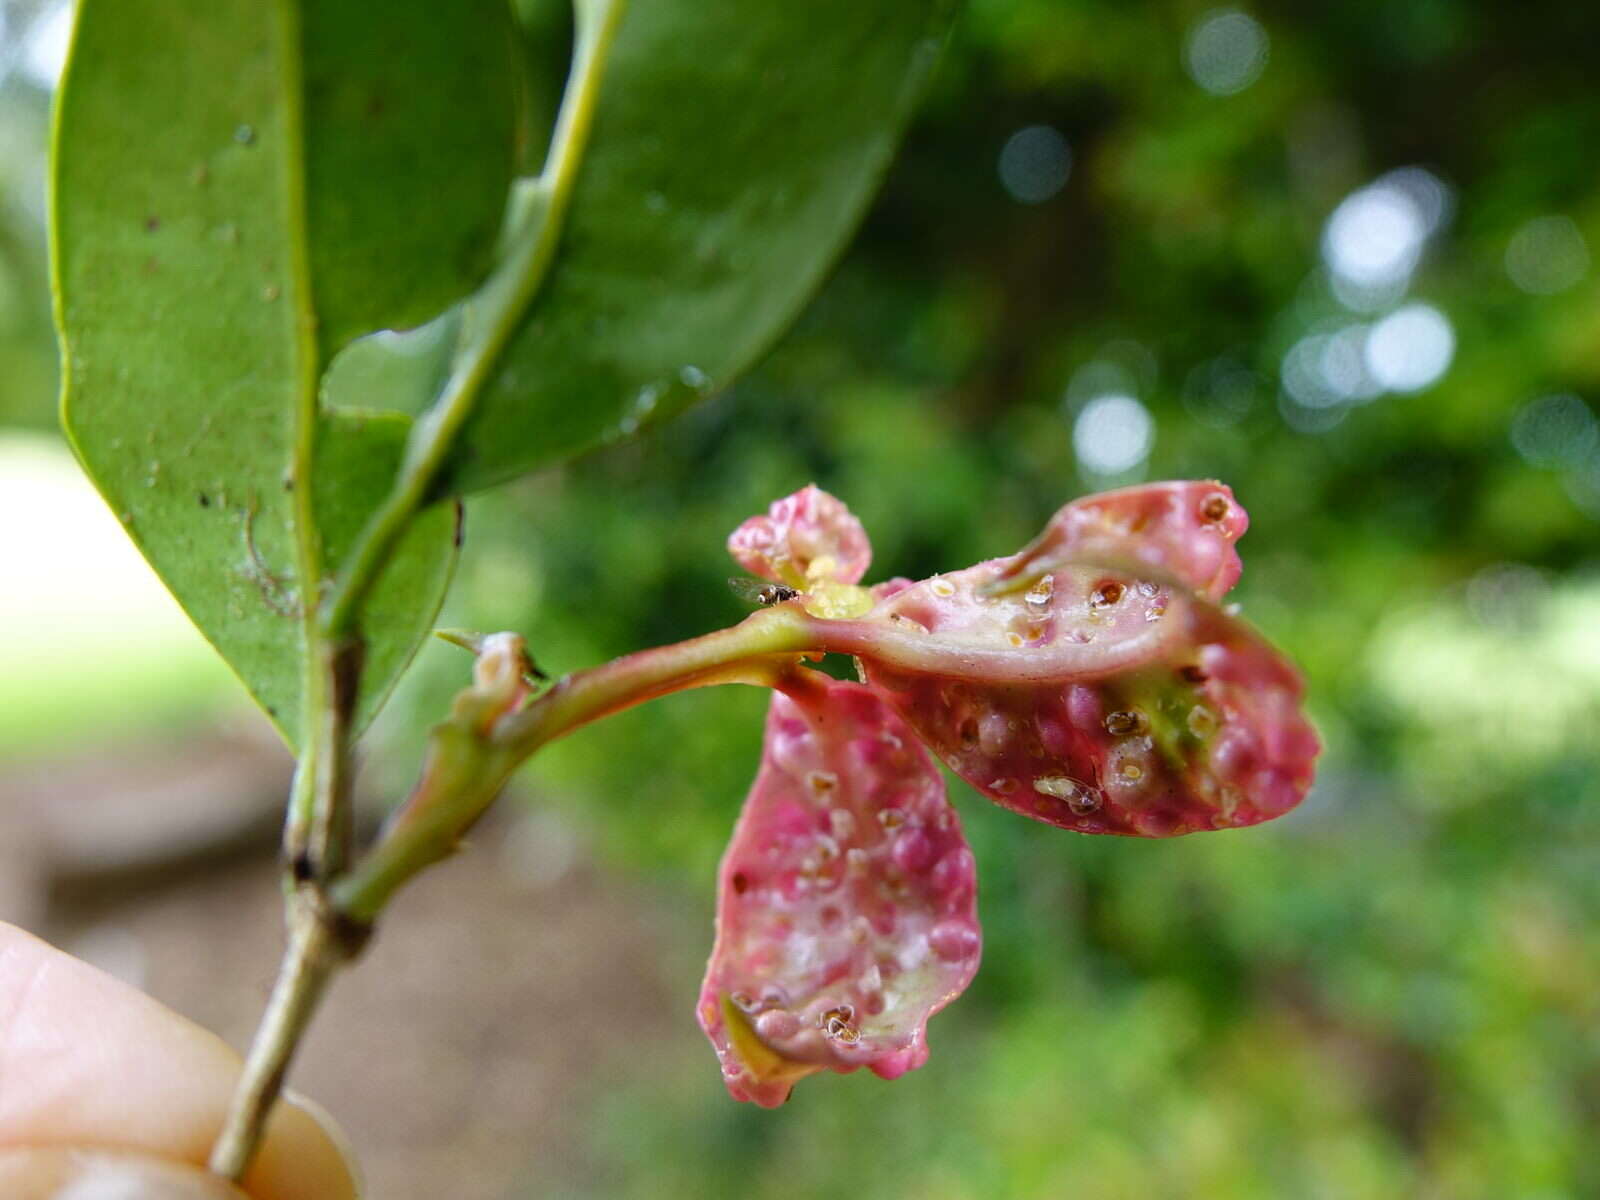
(846, 903)
(1210, 737)
(1083, 683)
(1184, 530)
(807, 537)
(990, 624)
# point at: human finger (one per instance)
(87, 1061)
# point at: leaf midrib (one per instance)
(306, 369)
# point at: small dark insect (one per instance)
(756, 591)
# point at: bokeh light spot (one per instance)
(1034, 164)
(1374, 238)
(1113, 434)
(1555, 431)
(44, 45)
(1410, 349)
(1226, 51)
(1328, 368)
(1220, 393)
(1547, 255)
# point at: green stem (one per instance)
(308, 963)
(318, 843)
(307, 367)
(297, 820)
(332, 814)
(315, 835)
(469, 759)
(317, 831)
(496, 316)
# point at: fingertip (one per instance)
(87, 1061)
(305, 1156)
(75, 1173)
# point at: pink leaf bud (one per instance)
(805, 538)
(846, 903)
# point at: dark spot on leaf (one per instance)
(152, 223)
(205, 500)
(460, 535)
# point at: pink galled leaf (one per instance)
(804, 538)
(1183, 530)
(846, 901)
(989, 624)
(1091, 696)
(1211, 737)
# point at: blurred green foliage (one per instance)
(1394, 991)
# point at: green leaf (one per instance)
(409, 150)
(733, 148)
(239, 189)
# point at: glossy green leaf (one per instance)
(409, 150)
(733, 148)
(238, 188)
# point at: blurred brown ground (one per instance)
(506, 990)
